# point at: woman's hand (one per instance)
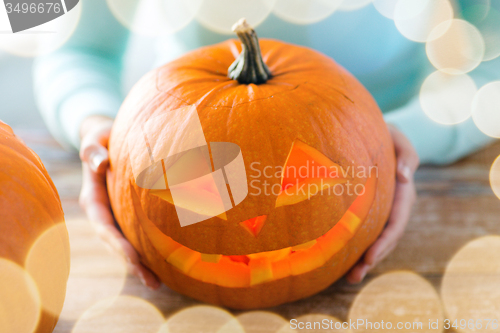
(404, 198)
(94, 198)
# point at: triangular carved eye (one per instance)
(307, 172)
(254, 225)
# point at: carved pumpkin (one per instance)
(201, 137)
(34, 244)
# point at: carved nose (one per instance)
(254, 225)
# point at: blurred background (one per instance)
(17, 101)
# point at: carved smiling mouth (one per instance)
(253, 269)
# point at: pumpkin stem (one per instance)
(249, 66)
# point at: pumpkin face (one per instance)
(33, 239)
(283, 234)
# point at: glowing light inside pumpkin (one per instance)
(215, 258)
(254, 225)
(458, 50)
(252, 269)
(447, 99)
(320, 173)
(486, 109)
(304, 246)
(470, 283)
(397, 297)
(19, 299)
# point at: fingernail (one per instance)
(96, 160)
(154, 286)
(405, 172)
(141, 277)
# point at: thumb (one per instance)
(95, 131)
(407, 157)
(96, 156)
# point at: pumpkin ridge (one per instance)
(27, 193)
(20, 184)
(38, 165)
(207, 97)
(253, 100)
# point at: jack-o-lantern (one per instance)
(250, 179)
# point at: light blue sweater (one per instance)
(83, 77)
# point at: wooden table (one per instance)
(455, 205)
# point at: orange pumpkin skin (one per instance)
(309, 98)
(29, 206)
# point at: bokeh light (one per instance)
(458, 50)
(20, 303)
(397, 297)
(348, 5)
(48, 263)
(95, 273)
(125, 314)
(386, 7)
(486, 18)
(154, 17)
(474, 9)
(221, 15)
(329, 324)
(41, 39)
(470, 283)
(204, 318)
(495, 177)
(447, 99)
(261, 322)
(486, 109)
(416, 19)
(305, 11)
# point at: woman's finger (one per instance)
(396, 225)
(95, 202)
(93, 147)
(96, 156)
(406, 155)
(388, 240)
